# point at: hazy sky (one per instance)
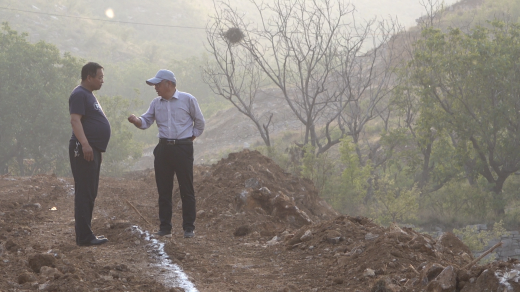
(407, 11)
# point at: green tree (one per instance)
(355, 179)
(35, 81)
(393, 203)
(477, 240)
(470, 85)
(318, 168)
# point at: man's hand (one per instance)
(134, 120)
(193, 137)
(88, 154)
(77, 128)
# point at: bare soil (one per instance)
(258, 229)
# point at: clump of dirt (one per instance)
(36, 262)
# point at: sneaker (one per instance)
(189, 234)
(163, 234)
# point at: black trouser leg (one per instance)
(86, 182)
(173, 160)
(163, 166)
(183, 165)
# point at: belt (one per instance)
(175, 141)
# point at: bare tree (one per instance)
(233, 74)
(329, 73)
(434, 11)
(369, 79)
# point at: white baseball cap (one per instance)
(161, 75)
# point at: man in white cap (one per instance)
(180, 121)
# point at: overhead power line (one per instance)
(99, 19)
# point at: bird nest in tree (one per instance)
(234, 35)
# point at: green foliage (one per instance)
(467, 87)
(392, 203)
(354, 178)
(283, 152)
(458, 203)
(512, 197)
(122, 150)
(318, 168)
(280, 157)
(489, 9)
(34, 119)
(477, 240)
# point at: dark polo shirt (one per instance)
(95, 123)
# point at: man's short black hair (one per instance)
(91, 69)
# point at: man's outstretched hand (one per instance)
(134, 120)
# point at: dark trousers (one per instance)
(86, 181)
(176, 160)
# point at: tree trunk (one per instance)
(19, 159)
(469, 170)
(425, 174)
(499, 203)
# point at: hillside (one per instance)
(155, 31)
(82, 28)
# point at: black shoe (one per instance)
(96, 241)
(163, 234)
(189, 234)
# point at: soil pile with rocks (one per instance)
(258, 229)
(365, 256)
(257, 196)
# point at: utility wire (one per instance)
(115, 21)
(99, 19)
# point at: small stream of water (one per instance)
(171, 275)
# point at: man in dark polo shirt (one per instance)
(180, 121)
(90, 136)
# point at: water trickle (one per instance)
(507, 276)
(171, 275)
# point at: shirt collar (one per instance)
(175, 95)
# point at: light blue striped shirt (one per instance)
(177, 118)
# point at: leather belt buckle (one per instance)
(175, 141)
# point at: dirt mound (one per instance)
(257, 195)
(365, 255)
